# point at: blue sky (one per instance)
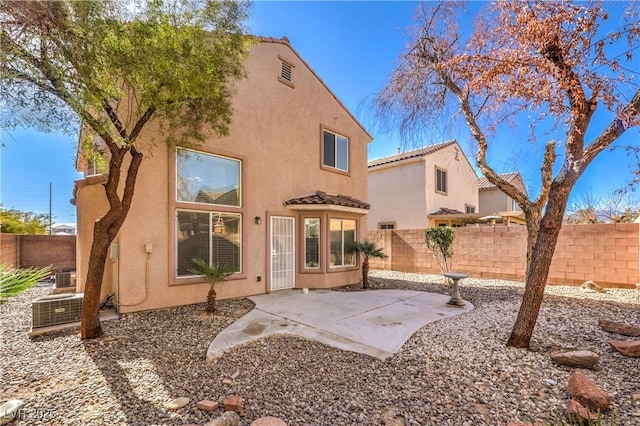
(353, 47)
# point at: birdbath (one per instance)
(455, 300)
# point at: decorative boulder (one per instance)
(587, 392)
(577, 413)
(268, 421)
(578, 359)
(631, 348)
(177, 403)
(619, 328)
(229, 418)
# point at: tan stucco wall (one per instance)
(397, 195)
(494, 200)
(276, 133)
(462, 182)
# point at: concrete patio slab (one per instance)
(374, 322)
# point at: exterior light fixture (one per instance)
(257, 220)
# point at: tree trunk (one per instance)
(541, 245)
(104, 232)
(365, 273)
(90, 320)
(211, 300)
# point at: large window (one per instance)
(312, 243)
(207, 179)
(335, 151)
(211, 236)
(441, 181)
(206, 184)
(341, 239)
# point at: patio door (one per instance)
(283, 252)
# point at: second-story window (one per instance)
(335, 151)
(441, 181)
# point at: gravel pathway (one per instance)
(456, 371)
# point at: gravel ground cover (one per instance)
(456, 371)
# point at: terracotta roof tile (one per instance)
(444, 211)
(483, 182)
(320, 197)
(420, 152)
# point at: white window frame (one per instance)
(335, 151)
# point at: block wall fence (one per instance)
(27, 251)
(604, 253)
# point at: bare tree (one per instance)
(546, 62)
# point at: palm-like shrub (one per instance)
(213, 274)
(14, 281)
(368, 250)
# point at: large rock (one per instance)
(233, 404)
(268, 421)
(619, 328)
(591, 287)
(631, 348)
(578, 359)
(587, 392)
(575, 412)
(229, 418)
(177, 403)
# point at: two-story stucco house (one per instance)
(421, 188)
(280, 198)
(491, 199)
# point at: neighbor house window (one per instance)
(312, 243)
(341, 239)
(211, 236)
(441, 181)
(469, 209)
(206, 186)
(207, 178)
(514, 206)
(387, 226)
(335, 151)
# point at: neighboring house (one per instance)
(265, 199)
(63, 229)
(493, 200)
(421, 188)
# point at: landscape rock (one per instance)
(591, 287)
(9, 409)
(619, 328)
(575, 412)
(177, 403)
(587, 392)
(207, 405)
(229, 418)
(389, 416)
(630, 348)
(268, 421)
(578, 359)
(233, 404)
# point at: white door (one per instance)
(283, 252)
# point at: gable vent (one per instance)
(286, 71)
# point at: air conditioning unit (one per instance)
(65, 279)
(56, 309)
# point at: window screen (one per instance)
(207, 179)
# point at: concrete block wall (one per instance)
(38, 251)
(605, 253)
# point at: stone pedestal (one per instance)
(455, 300)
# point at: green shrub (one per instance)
(14, 281)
